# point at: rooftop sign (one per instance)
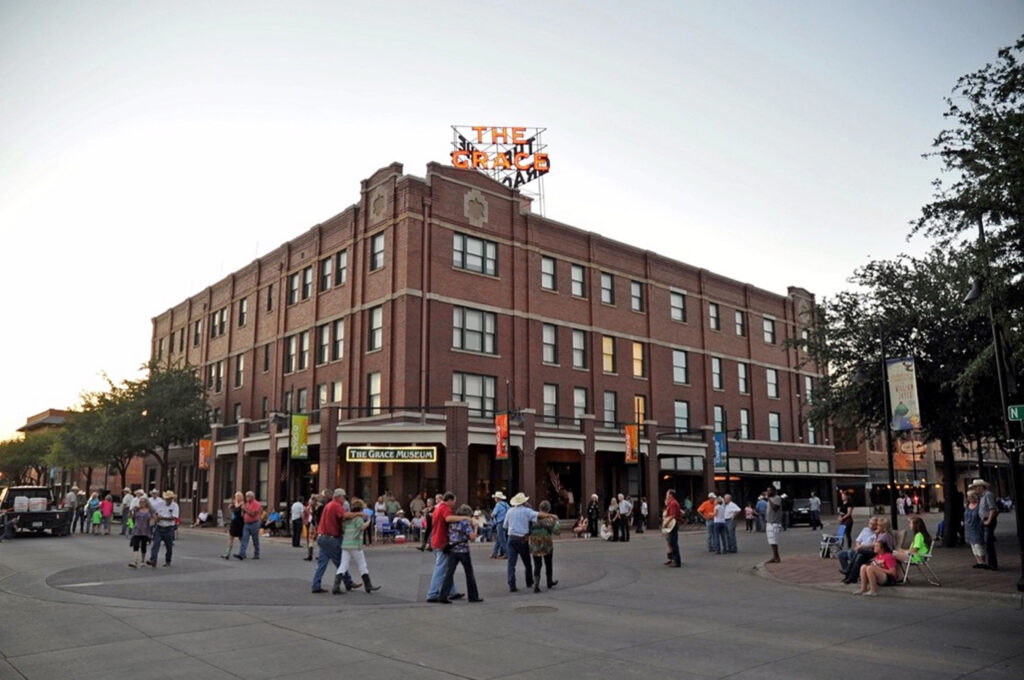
(510, 155)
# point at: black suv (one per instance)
(801, 513)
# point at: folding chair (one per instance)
(387, 532)
(830, 541)
(921, 560)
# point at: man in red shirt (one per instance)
(252, 513)
(329, 539)
(438, 541)
(670, 527)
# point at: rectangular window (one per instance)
(262, 478)
(772, 378)
(291, 352)
(243, 311)
(270, 297)
(341, 268)
(550, 403)
(473, 330)
(636, 296)
(716, 373)
(338, 345)
(239, 370)
(264, 408)
(377, 252)
(218, 322)
(215, 376)
(682, 415)
(307, 282)
(181, 339)
(475, 255)
(302, 396)
(375, 340)
(680, 368)
(547, 273)
(287, 401)
(608, 354)
(237, 414)
(812, 435)
(579, 281)
(741, 323)
(808, 388)
(549, 343)
(774, 427)
(266, 358)
(639, 364)
(293, 288)
(639, 408)
(326, 273)
(475, 390)
(743, 381)
(677, 305)
(579, 402)
(336, 392)
(197, 333)
(769, 330)
(719, 412)
(610, 409)
(322, 396)
(744, 423)
(323, 343)
(160, 348)
(579, 349)
(373, 392)
(607, 289)
(713, 317)
(303, 361)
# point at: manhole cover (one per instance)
(536, 609)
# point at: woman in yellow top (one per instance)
(918, 545)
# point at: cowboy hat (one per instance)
(169, 495)
(669, 526)
(499, 495)
(980, 482)
(518, 499)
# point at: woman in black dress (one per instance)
(237, 523)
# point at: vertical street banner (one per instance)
(632, 444)
(902, 378)
(298, 439)
(205, 453)
(501, 436)
(721, 449)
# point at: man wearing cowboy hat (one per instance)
(126, 504)
(988, 510)
(500, 548)
(517, 526)
(167, 512)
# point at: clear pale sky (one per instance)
(149, 149)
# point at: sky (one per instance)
(149, 149)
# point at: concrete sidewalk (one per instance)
(952, 566)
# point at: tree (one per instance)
(83, 442)
(27, 460)
(914, 306)
(171, 408)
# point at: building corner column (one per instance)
(708, 432)
(213, 503)
(328, 475)
(456, 457)
(528, 462)
(588, 478)
(653, 474)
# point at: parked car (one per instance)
(801, 513)
(32, 508)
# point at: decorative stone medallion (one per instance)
(475, 208)
(378, 204)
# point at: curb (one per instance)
(932, 593)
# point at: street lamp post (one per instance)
(887, 425)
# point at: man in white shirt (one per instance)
(126, 504)
(167, 512)
(625, 516)
(296, 516)
(815, 506)
(729, 511)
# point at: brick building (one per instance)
(414, 315)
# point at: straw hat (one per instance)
(499, 495)
(518, 499)
(169, 495)
(980, 482)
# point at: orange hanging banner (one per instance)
(501, 436)
(632, 444)
(205, 451)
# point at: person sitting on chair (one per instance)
(881, 571)
(919, 543)
(865, 539)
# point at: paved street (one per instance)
(73, 609)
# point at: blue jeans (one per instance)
(437, 578)
(519, 546)
(721, 537)
(673, 547)
(250, 529)
(330, 551)
(500, 548)
(730, 535)
(712, 536)
(166, 535)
